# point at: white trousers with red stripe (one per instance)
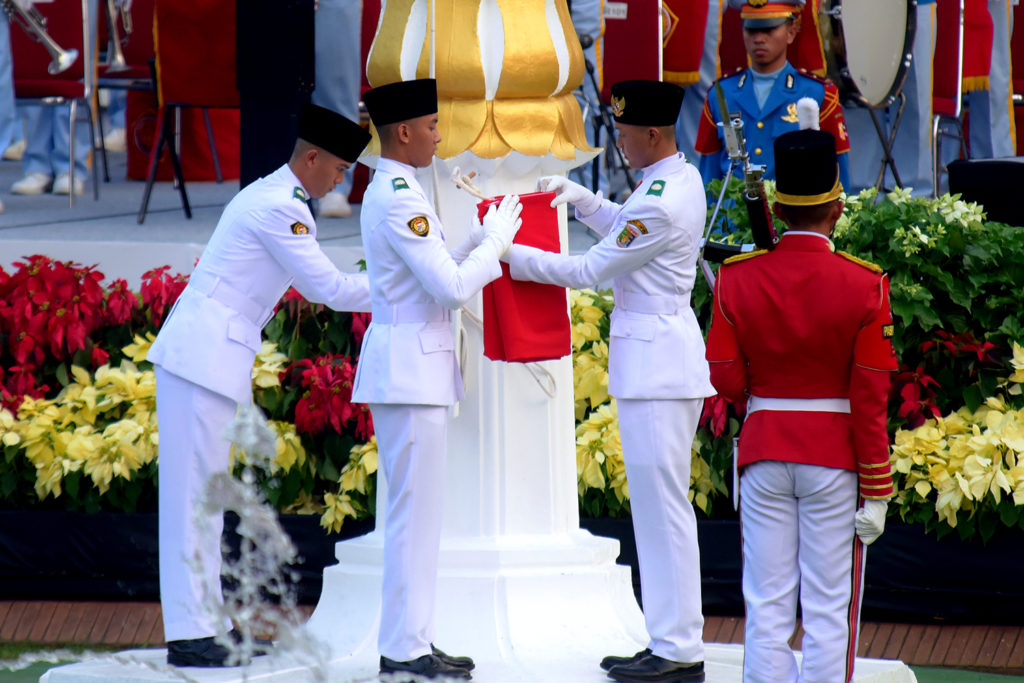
(798, 539)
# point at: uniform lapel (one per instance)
(782, 93)
(745, 96)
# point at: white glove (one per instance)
(585, 201)
(476, 229)
(502, 222)
(869, 521)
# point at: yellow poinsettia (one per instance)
(9, 435)
(139, 347)
(361, 465)
(269, 364)
(584, 317)
(337, 507)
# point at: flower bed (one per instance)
(78, 424)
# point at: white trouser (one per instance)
(412, 443)
(656, 438)
(993, 131)
(191, 449)
(797, 525)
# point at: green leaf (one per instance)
(62, 375)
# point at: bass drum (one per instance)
(868, 47)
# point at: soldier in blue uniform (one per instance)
(766, 94)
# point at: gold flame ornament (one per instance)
(505, 72)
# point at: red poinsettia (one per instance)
(360, 321)
(160, 290)
(916, 393)
(121, 302)
(327, 399)
(715, 414)
(21, 382)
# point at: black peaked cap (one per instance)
(401, 101)
(646, 103)
(333, 132)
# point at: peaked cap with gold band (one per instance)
(333, 132)
(806, 170)
(759, 14)
(646, 103)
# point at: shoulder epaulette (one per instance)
(824, 80)
(743, 257)
(734, 74)
(861, 262)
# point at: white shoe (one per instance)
(335, 205)
(14, 151)
(33, 183)
(114, 141)
(63, 183)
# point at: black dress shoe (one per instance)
(423, 668)
(608, 662)
(260, 646)
(205, 652)
(658, 669)
(461, 662)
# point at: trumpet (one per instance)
(34, 24)
(115, 59)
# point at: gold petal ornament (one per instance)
(505, 73)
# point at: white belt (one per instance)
(812, 405)
(217, 289)
(652, 304)
(411, 313)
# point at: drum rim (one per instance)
(901, 73)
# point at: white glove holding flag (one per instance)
(503, 221)
(566, 191)
(869, 522)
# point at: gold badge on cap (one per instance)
(757, 3)
(299, 229)
(618, 105)
(419, 226)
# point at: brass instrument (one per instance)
(115, 55)
(34, 24)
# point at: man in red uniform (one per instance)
(801, 335)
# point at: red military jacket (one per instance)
(803, 322)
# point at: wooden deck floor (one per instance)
(993, 648)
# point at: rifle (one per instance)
(765, 236)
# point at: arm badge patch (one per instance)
(888, 331)
(300, 194)
(630, 232)
(656, 188)
(299, 228)
(399, 184)
(419, 225)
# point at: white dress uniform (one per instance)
(409, 375)
(657, 374)
(264, 243)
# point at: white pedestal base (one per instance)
(724, 664)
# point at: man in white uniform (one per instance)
(407, 369)
(264, 243)
(656, 362)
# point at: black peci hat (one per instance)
(646, 103)
(333, 132)
(401, 101)
(806, 170)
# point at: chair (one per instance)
(72, 25)
(947, 84)
(195, 67)
(138, 51)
